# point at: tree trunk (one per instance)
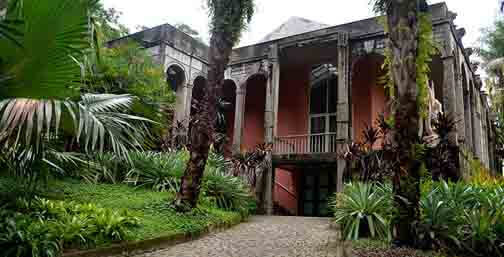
(403, 46)
(201, 127)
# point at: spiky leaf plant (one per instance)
(364, 210)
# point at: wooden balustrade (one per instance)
(306, 144)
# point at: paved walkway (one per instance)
(263, 236)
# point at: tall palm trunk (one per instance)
(229, 18)
(403, 45)
(201, 128)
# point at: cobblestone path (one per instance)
(262, 236)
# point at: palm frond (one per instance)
(52, 32)
(100, 121)
(10, 31)
(103, 121)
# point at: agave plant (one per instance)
(438, 225)
(479, 232)
(159, 171)
(458, 196)
(364, 210)
(229, 192)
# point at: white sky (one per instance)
(472, 15)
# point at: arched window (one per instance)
(323, 106)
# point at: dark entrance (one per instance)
(317, 187)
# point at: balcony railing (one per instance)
(306, 144)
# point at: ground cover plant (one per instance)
(377, 248)
(112, 200)
(124, 213)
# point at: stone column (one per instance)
(239, 117)
(460, 115)
(188, 101)
(268, 109)
(449, 92)
(162, 49)
(343, 111)
(268, 138)
(477, 124)
(181, 102)
(484, 130)
(468, 117)
(275, 73)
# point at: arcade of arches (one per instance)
(307, 105)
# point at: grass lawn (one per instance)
(152, 208)
(156, 218)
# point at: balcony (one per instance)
(314, 147)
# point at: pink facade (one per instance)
(293, 102)
(369, 101)
(255, 101)
(293, 111)
(368, 96)
(286, 193)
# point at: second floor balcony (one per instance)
(306, 144)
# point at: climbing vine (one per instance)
(426, 49)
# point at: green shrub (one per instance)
(159, 171)
(23, 236)
(364, 210)
(50, 226)
(458, 196)
(229, 192)
(162, 172)
(105, 168)
(438, 224)
(481, 232)
(455, 217)
(84, 225)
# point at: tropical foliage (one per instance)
(364, 210)
(162, 172)
(44, 123)
(52, 226)
(72, 108)
(455, 217)
(492, 52)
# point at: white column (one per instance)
(276, 86)
(460, 115)
(449, 92)
(477, 124)
(343, 112)
(188, 101)
(239, 117)
(268, 138)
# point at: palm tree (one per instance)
(39, 92)
(228, 19)
(403, 34)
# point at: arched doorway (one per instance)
(198, 93)
(175, 77)
(255, 103)
(436, 76)
(369, 99)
